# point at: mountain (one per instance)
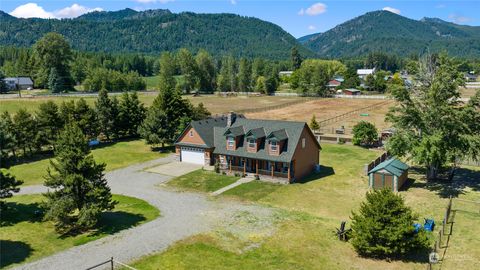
(154, 31)
(388, 32)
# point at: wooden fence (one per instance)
(274, 107)
(111, 265)
(375, 162)
(344, 115)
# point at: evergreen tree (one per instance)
(3, 85)
(244, 76)
(314, 124)
(260, 85)
(116, 118)
(8, 141)
(55, 82)
(131, 113)
(383, 227)
(296, 58)
(79, 191)
(154, 129)
(49, 122)
(188, 69)
(8, 186)
(106, 119)
(206, 71)
(167, 71)
(200, 112)
(25, 130)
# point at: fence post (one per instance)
(111, 262)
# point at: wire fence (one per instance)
(274, 107)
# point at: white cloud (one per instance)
(459, 19)
(313, 10)
(233, 2)
(312, 27)
(391, 9)
(31, 10)
(74, 11)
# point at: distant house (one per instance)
(352, 92)
(469, 77)
(279, 149)
(285, 73)
(339, 78)
(363, 73)
(22, 83)
(392, 174)
(333, 84)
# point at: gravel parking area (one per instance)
(182, 215)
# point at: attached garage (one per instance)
(392, 174)
(192, 155)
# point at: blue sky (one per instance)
(297, 17)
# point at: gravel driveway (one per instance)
(183, 214)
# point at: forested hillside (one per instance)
(383, 31)
(154, 31)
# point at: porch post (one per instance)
(256, 167)
(244, 166)
(288, 172)
(230, 161)
(271, 167)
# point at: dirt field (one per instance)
(328, 108)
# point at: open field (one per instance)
(329, 107)
(213, 103)
(116, 155)
(313, 209)
(25, 237)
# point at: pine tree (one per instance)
(383, 227)
(296, 58)
(131, 113)
(8, 141)
(103, 108)
(79, 191)
(244, 76)
(314, 124)
(3, 85)
(8, 186)
(55, 82)
(154, 129)
(49, 122)
(86, 118)
(200, 112)
(25, 130)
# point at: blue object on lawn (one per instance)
(429, 225)
(93, 142)
(417, 227)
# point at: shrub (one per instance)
(364, 133)
(383, 227)
(216, 167)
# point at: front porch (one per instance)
(269, 170)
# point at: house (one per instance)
(285, 73)
(363, 73)
(277, 149)
(352, 92)
(469, 77)
(21, 83)
(333, 84)
(391, 173)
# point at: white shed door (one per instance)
(196, 156)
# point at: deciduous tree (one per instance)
(364, 133)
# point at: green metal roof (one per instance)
(392, 165)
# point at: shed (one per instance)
(352, 92)
(392, 173)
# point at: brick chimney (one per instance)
(231, 116)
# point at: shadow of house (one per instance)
(324, 172)
(14, 213)
(13, 252)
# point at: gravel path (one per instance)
(182, 214)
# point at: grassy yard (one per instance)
(306, 240)
(25, 237)
(203, 181)
(117, 155)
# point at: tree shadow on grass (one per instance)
(14, 213)
(463, 179)
(112, 222)
(13, 252)
(324, 172)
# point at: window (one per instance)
(191, 133)
(230, 141)
(273, 145)
(303, 142)
(252, 143)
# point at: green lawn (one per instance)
(153, 81)
(117, 155)
(203, 181)
(25, 237)
(306, 239)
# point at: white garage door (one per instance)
(193, 155)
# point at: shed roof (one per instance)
(20, 80)
(392, 165)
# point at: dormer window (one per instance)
(252, 143)
(191, 133)
(273, 146)
(230, 142)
